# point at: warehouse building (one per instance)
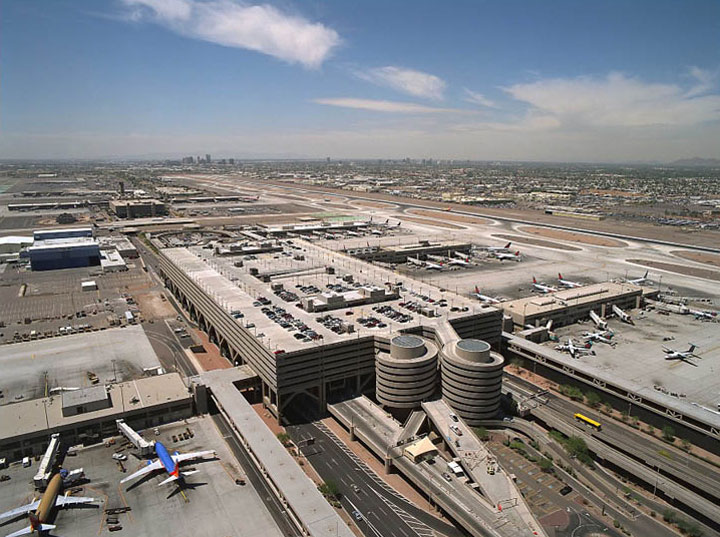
(71, 252)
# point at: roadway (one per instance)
(555, 414)
(384, 512)
(692, 473)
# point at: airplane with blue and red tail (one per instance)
(169, 463)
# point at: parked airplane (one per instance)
(439, 258)
(462, 256)
(542, 288)
(502, 256)
(704, 315)
(574, 350)
(599, 322)
(169, 463)
(639, 281)
(624, 317)
(505, 248)
(602, 337)
(568, 283)
(683, 356)
(484, 298)
(458, 262)
(424, 264)
(39, 510)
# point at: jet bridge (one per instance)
(146, 448)
(42, 477)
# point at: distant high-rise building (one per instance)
(207, 158)
(231, 161)
(121, 188)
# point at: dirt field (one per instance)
(680, 269)
(463, 219)
(429, 222)
(700, 257)
(538, 242)
(372, 204)
(153, 306)
(574, 237)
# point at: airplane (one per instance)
(639, 281)
(599, 322)
(704, 315)
(484, 298)
(543, 288)
(462, 256)
(169, 463)
(573, 349)
(505, 248)
(602, 337)
(568, 283)
(440, 259)
(683, 356)
(622, 315)
(39, 511)
(502, 256)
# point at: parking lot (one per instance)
(208, 505)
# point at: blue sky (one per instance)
(517, 80)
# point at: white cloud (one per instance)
(409, 81)
(384, 106)
(478, 98)
(705, 81)
(262, 28)
(616, 101)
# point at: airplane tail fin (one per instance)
(692, 347)
(560, 276)
(534, 280)
(646, 273)
(517, 253)
(508, 245)
(477, 290)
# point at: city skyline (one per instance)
(494, 81)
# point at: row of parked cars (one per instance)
(392, 313)
(290, 323)
(333, 323)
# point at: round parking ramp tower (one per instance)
(407, 375)
(472, 379)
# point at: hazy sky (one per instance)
(514, 80)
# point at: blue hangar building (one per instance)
(63, 248)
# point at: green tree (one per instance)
(546, 465)
(592, 399)
(482, 433)
(668, 433)
(330, 490)
(284, 438)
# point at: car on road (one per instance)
(119, 456)
(357, 515)
(446, 476)
(355, 488)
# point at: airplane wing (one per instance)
(180, 457)
(157, 465)
(30, 529)
(63, 501)
(20, 510)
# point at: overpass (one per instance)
(706, 508)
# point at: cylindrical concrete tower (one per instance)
(406, 376)
(472, 379)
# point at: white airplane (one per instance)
(505, 248)
(438, 258)
(502, 256)
(683, 356)
(484, 298)
(462, 256)
(568, 283)
(169, 463)
(573, 349)
(541, 288)
(639, 281)
(602, 337)
(424, 264)
(704, 315)
(624, 317)
(599, 322)
(458, 262)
